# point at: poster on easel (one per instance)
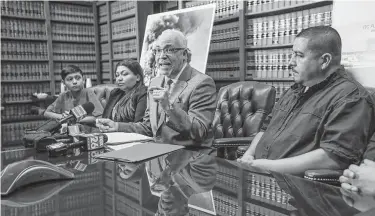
(195, 23)
(355, 21)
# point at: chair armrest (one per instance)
(324, 175)
(232, 142)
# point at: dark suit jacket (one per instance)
(134, 109)
(193, 98)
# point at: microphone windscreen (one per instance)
(82, 110)
(88, 107)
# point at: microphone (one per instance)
(77, 112)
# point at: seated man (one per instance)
(324, 121)
(72, 77)
(181, 102)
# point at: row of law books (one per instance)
(282, 29)
(223, 69)
(12, 50)
(125, 49)
(225, 36)
(280, 87)
(68, 12)
(17, 111)
(256, 6)
(104, 51)
(14, 131)
(22, 8)
(267, 64)
(122, 8)
(20, 92)
(62, 51)
(103, 32)
(126, 207)
(225, 204)
(229, 182)
(88, 69)
(72, 32)
(224, 8)
(77, 199)
(265, 189)
(102, 13)
(27, 29)
(252, 209)
(104, 66)
(131, 189)
(24, 71)
(124, 28)
(227, 177)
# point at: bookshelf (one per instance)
(38, 38)
(255, 38)
(121, 26)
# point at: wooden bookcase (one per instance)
(38, 38)
(121, 26)
(252, 40)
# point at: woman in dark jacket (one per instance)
(127, 103)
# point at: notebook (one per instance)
(139, 152)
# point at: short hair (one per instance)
(134, 66)
(323, 39)
(183, 38)
(70, 69)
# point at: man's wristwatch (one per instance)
(169, 108)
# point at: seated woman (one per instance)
(72, 77)
(128, 102)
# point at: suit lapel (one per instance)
(180, 85)
(176, 90)
(157, 81)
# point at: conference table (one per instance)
(184, 182)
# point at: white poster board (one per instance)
(355, 21)
(195, 23)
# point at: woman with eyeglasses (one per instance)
(127, 103)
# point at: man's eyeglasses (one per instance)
(168, 50)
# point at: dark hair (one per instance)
(134, 66)
(323, 39)
(69, 70)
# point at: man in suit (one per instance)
(181, 100)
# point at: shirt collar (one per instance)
(298, 88)
(178, 75)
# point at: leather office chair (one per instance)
(240, 112)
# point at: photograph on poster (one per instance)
(358, 38)
(196, 25)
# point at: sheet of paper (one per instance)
(122, 146)
(116, 138)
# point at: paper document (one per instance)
(122, 146)
(139, 152)
(117, 138)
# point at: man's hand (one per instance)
(246, 159)
(360, 179)
(160, 95)
(360, 202)
(106, 125)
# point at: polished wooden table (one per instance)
(205, 183)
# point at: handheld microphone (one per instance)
(77, 112)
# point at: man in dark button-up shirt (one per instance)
(324, 121)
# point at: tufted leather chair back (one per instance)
(102, 91)
(241, 109)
